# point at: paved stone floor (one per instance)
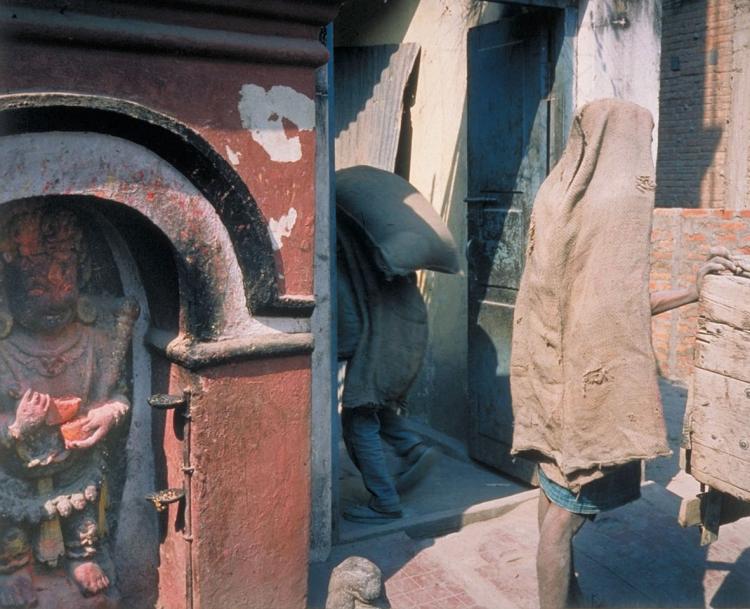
(636, 556)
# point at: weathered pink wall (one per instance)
(681, 240)
(252, 483)
(204, 94)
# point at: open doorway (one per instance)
(469, 104)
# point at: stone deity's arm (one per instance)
(100, 420)
(719, 259)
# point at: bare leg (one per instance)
(554, 563)
(542, 507)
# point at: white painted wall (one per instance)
(618, 53)
(437, 168)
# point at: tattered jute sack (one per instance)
(583, 371)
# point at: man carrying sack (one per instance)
(386, 231)
(583, 374)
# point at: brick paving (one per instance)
(636, 556)
(425, 584)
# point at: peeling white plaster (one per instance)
(262, 112)
(234, 157)
(282, 228)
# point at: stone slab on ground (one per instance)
(455, 493)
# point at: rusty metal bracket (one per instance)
(181, 405)
(165, 401)
(161, 499)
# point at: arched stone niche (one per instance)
(121, 151)
(188, 244)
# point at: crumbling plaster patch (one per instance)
(282, 228)
(234, 157)
(263, 113)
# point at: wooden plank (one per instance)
(710, 517)
(717, 434)
(690, 512)
(726, 299)
(719, 413)
(720, 471)
(722, 348)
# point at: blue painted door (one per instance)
(510, 74)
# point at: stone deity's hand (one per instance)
(30, 413)
(99, 421)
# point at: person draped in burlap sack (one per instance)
(586, 401)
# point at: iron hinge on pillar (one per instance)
(181, 405)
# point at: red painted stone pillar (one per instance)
(188, 129)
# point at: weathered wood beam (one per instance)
(540, 3)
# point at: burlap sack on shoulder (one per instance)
(583, 372)
(404, 231)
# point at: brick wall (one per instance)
(681, 239)
(694, 102)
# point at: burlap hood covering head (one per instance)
(583, 372)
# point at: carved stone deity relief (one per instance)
(65, 334)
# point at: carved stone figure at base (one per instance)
(356, 583)
(61, 393)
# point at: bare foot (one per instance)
(17, 590)
(89, 576)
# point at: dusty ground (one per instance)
(636, 556)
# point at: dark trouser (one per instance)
(362, 429)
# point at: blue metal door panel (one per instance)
(508, 158)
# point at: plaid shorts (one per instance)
(619, 486)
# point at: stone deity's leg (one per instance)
(16, 587)
(81, 537)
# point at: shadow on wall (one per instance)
(439, 398)
(693, 85)
(366, 21)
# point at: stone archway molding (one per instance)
(187, 152)
(61, 144)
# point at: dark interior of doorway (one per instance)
(537, 37)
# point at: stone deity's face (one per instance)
(45, 290)
(42, 273)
